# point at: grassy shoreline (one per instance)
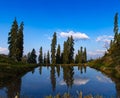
(107, 68)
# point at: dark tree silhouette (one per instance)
(32, 57)
(53, 49)
(58, 55)
(40, 58)
(19, 44)
(12, 39)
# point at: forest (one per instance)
(55, 56)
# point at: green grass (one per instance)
(8, 65)
(106, 66)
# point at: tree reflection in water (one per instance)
(11, 83)
(58, 70)
(14, 88)
(81, 68)
(53, 77)
(40, 70)
(68, 72)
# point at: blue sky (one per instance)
(93, 18)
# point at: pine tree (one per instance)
(32, 57)
(28, 57)
(45, 59)
(58, 55)
(81, 55)
(53, 49)
(116, 44)
(61, 58)
(116, 27)
(71, 50)
(76, 59)
(12, 36)
(114, 50)
(68, 51)
(19, 43)
(84, 56)
(15, 41)
(48, 57)
(65, 53)
(40, 58)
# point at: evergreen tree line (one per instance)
(42, 59)
(114, 50)
(81, 56)
(62, 57)
(15, 41)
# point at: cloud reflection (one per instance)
(77, 81)
(103, 79)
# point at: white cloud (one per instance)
(76, 35)
(105, 39)
(3, 50)
(100, 51)
(96, 54)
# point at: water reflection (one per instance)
(69, 80)
(58, 79)
(77, 81)
(117, 83)
(68, 76)
(12, 84)
(82, 68)
(40, 70)
(58, 71)
(53, 78)
(104, 79)
(68, 73)
(13, 88)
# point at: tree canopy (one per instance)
(15, 41)
(53, 49)
(114, 50)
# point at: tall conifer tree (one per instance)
(48, 57)
(58, 55)
(116, 27)
(19, 43)
(12, 39)
(40, 58)
(15, 41)
(71, 50)
(114, 50)
(45, 59)
(53, 49)
(65, 53)
(33, 56)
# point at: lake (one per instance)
(44, 81)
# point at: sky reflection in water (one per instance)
(45, 81)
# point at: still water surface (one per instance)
(44, 81)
